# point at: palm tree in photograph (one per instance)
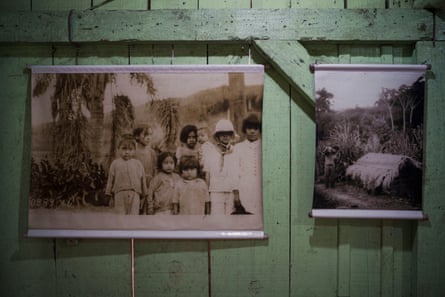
(77, 108)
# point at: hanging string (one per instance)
(132, 267)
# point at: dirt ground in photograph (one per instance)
(347, 196)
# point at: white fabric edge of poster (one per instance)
(368, 214)
(147, 234)
(145, 68)
(370, 67)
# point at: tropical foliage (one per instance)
(393, 125)
(73, 169)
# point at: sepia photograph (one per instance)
(369, 137)
(146, 148)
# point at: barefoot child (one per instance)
(161, 188)
(126, 179)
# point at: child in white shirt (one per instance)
(126, 179)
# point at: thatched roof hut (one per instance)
(398, 175)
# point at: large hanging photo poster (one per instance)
(146, 151)
(369, 141)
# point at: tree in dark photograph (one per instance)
(167, 113)
(374, 152)
(122, 121)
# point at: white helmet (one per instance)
(224, 126)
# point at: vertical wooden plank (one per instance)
(60, 5)
(190, 54)
(170, 268)
(365, 258)
(430, 235)
(317, 4)
(403, 231)
(255, 267)
(170, 4)
(400, 3)
(102, 267)
(366, 235)
(313, 241)
(15, 5)
(26, 264)
(121, 4)
(360, 238)
(344, 226)
(224, 4)
(387, 260)
(365, 4)
(228, 53)
(271, 4)
(396, 234)
(404, 271)
(439, 20)
(159, 54)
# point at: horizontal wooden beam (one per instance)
(27, 26)
(218, 25)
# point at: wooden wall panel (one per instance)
(271, 4)
(313, 242)
(430, 234)
(27, 264)
(365, 4)
(59, 5)
(224, 4)
(170, 267)
(15, 5)
(400, 3)
(255, 267)
(169, 4)
(302, 257)
(121, 4)
(106, 261)
(317, 4)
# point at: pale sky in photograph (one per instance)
(168, 85)
(359, 88)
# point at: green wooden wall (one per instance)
(303, 256)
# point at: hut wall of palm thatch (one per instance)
(397, 175)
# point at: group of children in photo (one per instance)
(206, 175)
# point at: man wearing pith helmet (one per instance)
(221, 170)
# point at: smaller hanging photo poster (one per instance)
(369, 141)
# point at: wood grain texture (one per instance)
(170, 267)
(317, 4)
(20, 26)
(438, 4)
(104, 261)
(365, 4)
(430, 234)
(212, 25)
(440, 25)
(203, 4)
(303, 256)
(120, 4)
(26, 264)
(252, 24)
(253, 267)
(15, 5)
(292, 61)
(46, 5)
(173, 4)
